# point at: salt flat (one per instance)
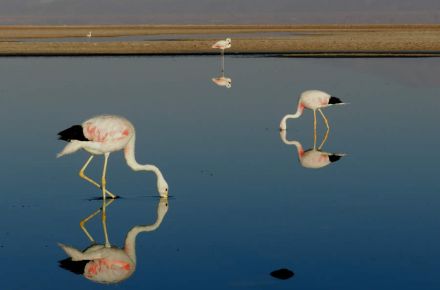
(287, 40)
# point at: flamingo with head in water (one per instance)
(103, 135)
(314, 100)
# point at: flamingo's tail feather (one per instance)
(70, 148)
(73, 253)
(336, 156)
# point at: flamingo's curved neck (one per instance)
(130, 240)
(299, 111)
(132, 163)
(299, 148)
(297, 144)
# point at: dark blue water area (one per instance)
(241, 204)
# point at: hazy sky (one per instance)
(225, 11)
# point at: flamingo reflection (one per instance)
(223, 81)
(103, 263)
(313, 158)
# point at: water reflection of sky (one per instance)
(243, 206)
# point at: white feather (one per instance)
(70, 148)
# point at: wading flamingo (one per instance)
(312, 158)
(104, 263)
(89, 34)
(105, 134)
(222, 45)
(313, 100)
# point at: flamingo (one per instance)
(109, 264)
(223, 81)
(102, 135)
(222, 45)
(89, 34)
(313, 100)
(312, 158)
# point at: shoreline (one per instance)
(378, 40)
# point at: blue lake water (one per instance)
(241, 204)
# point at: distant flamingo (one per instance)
(222, 45)
(103, 135)
(109, 264)
(312, 158)
(89, 34)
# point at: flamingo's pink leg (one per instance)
(314, 129)
(82, 175)
(325, 119)
(324, 140)
(82, 223)
(104, 183)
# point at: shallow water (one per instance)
(166, 37)
(241, 204)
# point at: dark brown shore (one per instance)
(281, 40)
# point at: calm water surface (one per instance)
(242, 205)
(213, 36)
